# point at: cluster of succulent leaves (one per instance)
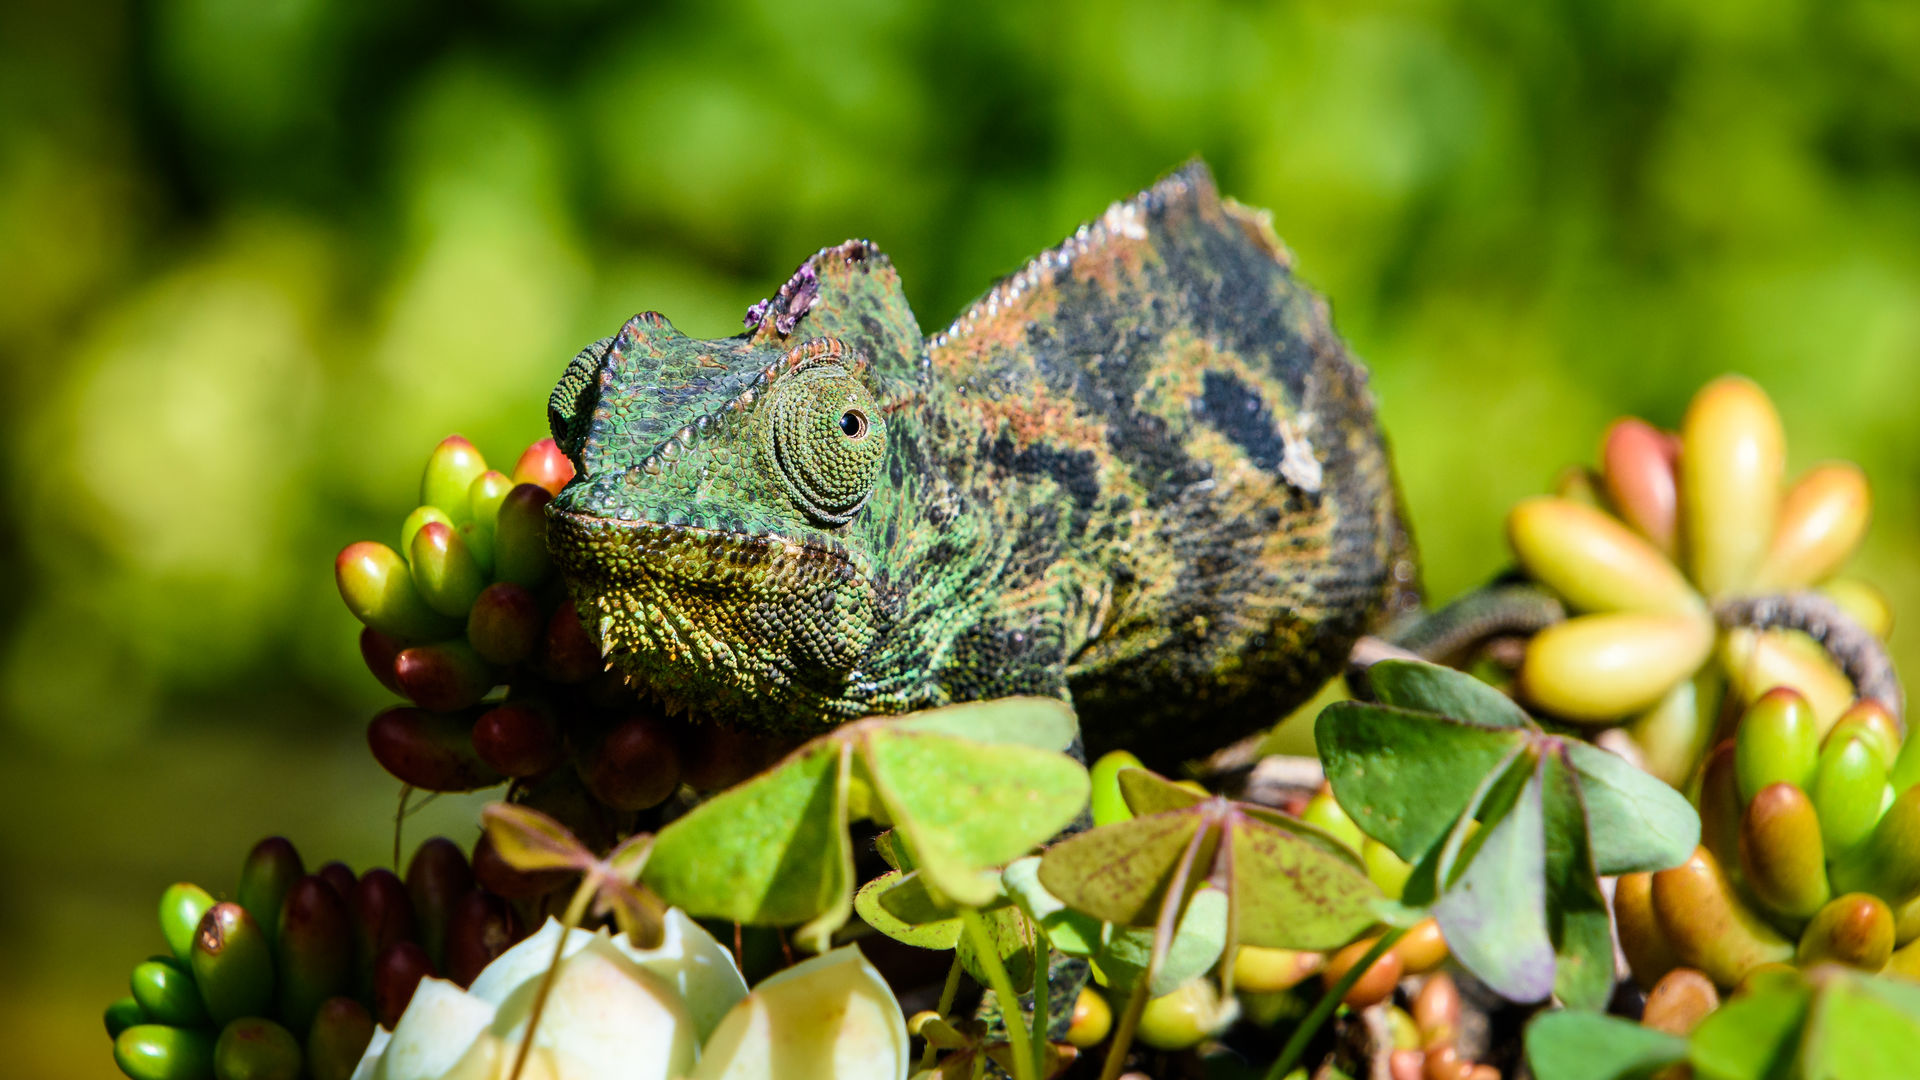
(1810, 853)
(290, 977)
(1642, 549)
(467, 620)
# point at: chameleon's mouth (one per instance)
(708, 557)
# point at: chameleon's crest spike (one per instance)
(1125, 223)
(850, 292)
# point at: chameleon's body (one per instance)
(1142, 472)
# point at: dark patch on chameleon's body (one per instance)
(1141, 472)
(1237, 411)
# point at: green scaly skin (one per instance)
(1142, 474)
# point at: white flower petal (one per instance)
(526, 960)
(607, 1018)
(829, 1018)
(439, 1024)
(370, 1058)
(702, 969)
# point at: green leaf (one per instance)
(816, 934)
(1290, 893)
(915, 903)
(893, 851)
(1494, 912)
(1118, 873)
(1012, 937)
(1043, 723)
(617, 892)
(1196, 947)
(1305, 830)
(1150, 793)
(1404, 776)
(1586, 1046)
(965, 807)
(1752, 1037)
(937, 934)
(1425, 687)
(1901, 994)
(1519, 898)
(771, 851)
(1636, 822)
(530, 841)
(1497, 792)
(1069, 931)
(630, 858)
(1861, 1027)
(1578, 920)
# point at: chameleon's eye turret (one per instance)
(827, 439)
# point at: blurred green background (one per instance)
(257, 256)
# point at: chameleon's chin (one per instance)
(753, 628)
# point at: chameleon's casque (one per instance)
(1141, 472)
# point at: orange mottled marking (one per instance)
(1112, 264)
(1039, 418)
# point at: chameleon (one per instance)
(1141, 474)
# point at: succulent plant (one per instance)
(1810, 853)
(289, 979)
(1654, 557)
(467, 604)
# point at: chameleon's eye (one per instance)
(827, 440)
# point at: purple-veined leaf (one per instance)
(530, 841)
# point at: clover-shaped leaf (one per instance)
(1072, 932)
(941, 932)
(1437, 689)
(1830, 1022)
(775, 850)
(771, 851)
(1042, 723)
(1633, 820)
(1282, 884)
(530, 841)
(1402, 775)
(1860, 1026)
(1124, 953)
(1509, 827)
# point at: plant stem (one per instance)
(1002, 985)
(1123, 1031)
(1180, 889)
(576, 910)
(1297, 1044)
(947, 994)
(399, 819)
(1042, 960)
